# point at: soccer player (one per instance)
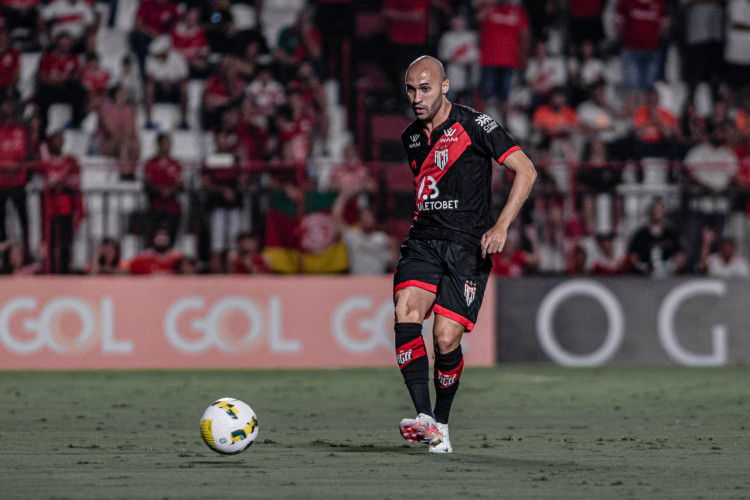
(447, 256)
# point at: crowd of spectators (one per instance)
(585, 86)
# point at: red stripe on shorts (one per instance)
(442, 311)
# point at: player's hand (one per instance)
(493, 240)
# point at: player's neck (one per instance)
(440, 117)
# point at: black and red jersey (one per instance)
(452, 170)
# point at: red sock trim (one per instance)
(410, 351)
(442, 311)
(445, 379)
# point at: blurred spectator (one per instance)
(166, 79)
(742, 115)
(577, 261)
(711, 166)
(13, 170)
(597, 178)
(247, 258)
(544, 73)
(503, 49)
(602, 120)
(459, 50)
(152, 19)
(737, 46)
(189, 39)
(704, 41)
(266, 92)
(107, 260)
(73, 17)
(95, 80)
(585, 70)
(130, 80)
(513, 261)
(63, 205)
(223, 183)
(309, 86)
(585, 24)
(10, 68)
(724, 262)
(216, 17)
(117, 136)
(159, 258)
(607, 261)
(556, 125)
(352, 175)
(297, 43)
(640, 25)
(60, 82)
(657, 130)
(162, 179)
(654, 248)
(408, 26)
(295, 123)
(224, 87)
(185, 266)
(253, 140)
(17, 261)
(22, 22)
(370, 250)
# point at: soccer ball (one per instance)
(229, 426)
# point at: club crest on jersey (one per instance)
(470, 291)
(441, 158)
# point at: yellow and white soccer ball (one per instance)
(229, 426)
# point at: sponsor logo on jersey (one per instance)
(470, 291)
(414, 166)
(437, 205)
(448, 135)
(441, 158)
(486, 122)
(415, 142)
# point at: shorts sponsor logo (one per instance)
(470, 291)
(486, 122)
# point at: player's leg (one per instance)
(456, 311)
(415, 287)
(412, 305)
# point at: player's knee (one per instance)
(409, 308)
(447, 339)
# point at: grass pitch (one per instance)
(517, 431)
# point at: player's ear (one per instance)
(446, 86)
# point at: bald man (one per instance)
(446, 259)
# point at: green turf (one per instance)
(518, 432)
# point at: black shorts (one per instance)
(457, 275)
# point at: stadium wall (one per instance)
(589, 322)
(207, 322)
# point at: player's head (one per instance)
(426, 87)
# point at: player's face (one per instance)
(425, 91)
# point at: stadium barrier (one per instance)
(207, 322)
(624, 320)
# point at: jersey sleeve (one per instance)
(491, 139)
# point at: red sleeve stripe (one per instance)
(442, 311)
(418, 284)
(507, 153)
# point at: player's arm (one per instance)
(493, 240)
